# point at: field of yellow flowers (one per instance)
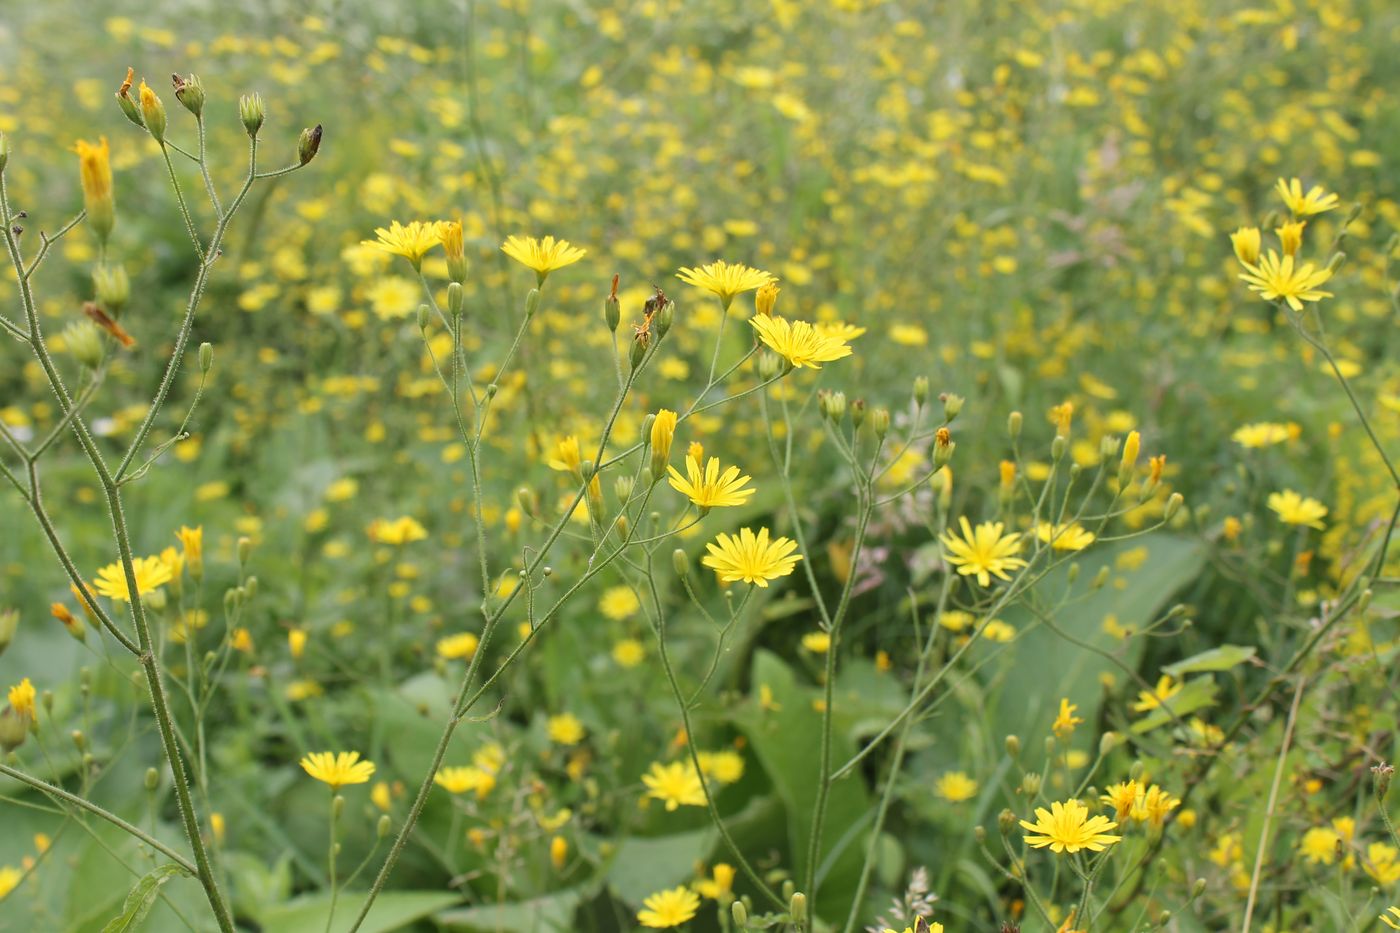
(536, 466)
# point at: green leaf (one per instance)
(553, 912)
(1216, 659)
(641, 867)
(392, 910)
(142, 895)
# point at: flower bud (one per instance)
(454, 299)
(337, 807)
(665, 318)
(1108, 742)
(9, 624)
(424, 316)
(1136, 770)
(1173, 506)
(622, 488)
(1030, 784)
(532, 302)
(770, 366)
(251, 112)
(1128, 462)
(4, 152)
(1108, 447)
(525, 498)
(70, 622)
(952, 405)
(1057, 448)
(190, 93)
(765, 298)
(797, 908)
(1334, 264)
(858, 413)
(636, 353)
(112, 287)
(153, 113)
(921, 391)
(740, 913)
(1013, 746)
(661, 432)
(1382, 773)
(84, 341)
(880, 422)
(152, 780)
(206, 357)
(1073, 573)
(384, 827)
(943, 447)
(1100, 578)
(1006, 822)
(680, 563)
(309, 143)
(244, 550)
(1013, 424)
(128, 106)
(14, 729)
(1246, 242)
(79, 739)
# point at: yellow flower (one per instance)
(997, 630)
(1316, 201)
(1070, 537)
(565, 729)
(1262, 434)
(95, 173)
(720, 885)
(817, 642)
(1164, 691)
(1067, 827)
(338, 770)
(986, 552)
(955, 787)
(920, 926)
(567, 458)
(465, 779)
(544, 256)
(1383, 863)
(296, 642)
(766, 298)
(396, 531)
(629, 652)
(21, 697)
(667, 909)
(1319, 845)
(382, 796)
(676, 784)
(840, 330)
(461, 645)
(1153, 806)
(751, 558)
(1392, 912)
(411, 241)
(1290, 237)
(151, 574)
(725, 766)
(1122, 797)
(558, 852)
(1274, 278)
(725, 280)
(619, 602)
(9, 880)
(663, 432)
(710, 489)
(1246, 240)
(1293, 509)
(191, 542)
(799, 342)
(1066, 721)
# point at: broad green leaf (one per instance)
(139, 900)
(553, 912)
(642, 867)
(1216, 659)
(392, 910)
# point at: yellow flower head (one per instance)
(1293, 509)
(1068, 537)
(676, 784)
(667, 909)
(401, 530)
(464, 780)
(725, 766)
(151, 574)
(565, 729)
(21, 697)
(411, 241)
(663, 432)
(1246, 242)
(1290, 237)
(1122, 797)
(725, 280)
(566, 458)
(544, 256)
(720, 885)
(1261, 434)
(766, 297)
(710, 488)
(456, 647)
(1279, 279)
(985, 552)
(1153, 806)
(95, 173)
(751, 558)
(1391, 918)
(338, 770)
(1316, 201)
(1319, 845)
(1066, 721)
(955, 787)
(1164, 691)
(1067, 827)
(191, 542)
(799, 342)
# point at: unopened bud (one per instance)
(153, 113)
(797, 908)
(111, 287)
(836, 406)
(206, 357)
(1073, 573)
(152, 779)
(251, 112)
(1030, 784)
(770, 366)
(880, 422)
(309, 143)
(244, 549)
(1108, 447)
(612, 308)
(454, 299)
(190, 93)
(665, 318)
(1057, 448)
(1335, 263)
(1013, 746)
(79, 739)
(920, 391)
(680, 562)
(858, 413)
(384, 827)
(1100, 578)
(1013, 424)
(9, 624)
(1108, 742)
(4, 152)
(14, 729)
(1136, 770)
(424, 316)
(525, 497)
(532, 302)
(740, 913)
(943, 447)
(1198, 888)
(952, 405)
(1006, 822)
(250, 588)
(337, 807)
(1173, 506)
(636, 354)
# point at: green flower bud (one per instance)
(206, 356)
(952, 405)
(454, 299)
(251, 112)
(880, 421)
(112, 287)
(664, 318)
(4, 152)
(921, 391)
(189, 92)
(84, 341)
(153, 113)
(244, 550)
(680, 562)
(1057, 448)
(152, 779)
(424, 316)
(797, 907)
(532, 302)
(308, 144)
(14, 729)
(1013, 424)
(1006, 822)
(385, 825)
(858, 413)
(1013, 746)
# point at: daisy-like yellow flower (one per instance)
(817, 642)
(456, 647)
(725, 280)
(1069, 537)
(21, 697)
(799, 342)
(710, 488)
(955, 787)
(725, 766)
(1274, 279)
(95, 173)
(985, 552)
(1151, 699)
(840, 330)
(1065, 722)
(1122, 797)
(1153, 806)
(676, 784)
(338, 770)
(401, 530)
(544, 256)
(565, 729)
(1067, 827)
(10, 878)
(1290, 237)
(766, 298)
(465, 780)
(920, 926)
(1316, 201)
(1262, 434)
(751, 558)
(720, 885)
(566, 456)
(1293, 509)
(151, 574)
(411, 241)
(1391, 918)
(1319, 845)
(666, 909)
